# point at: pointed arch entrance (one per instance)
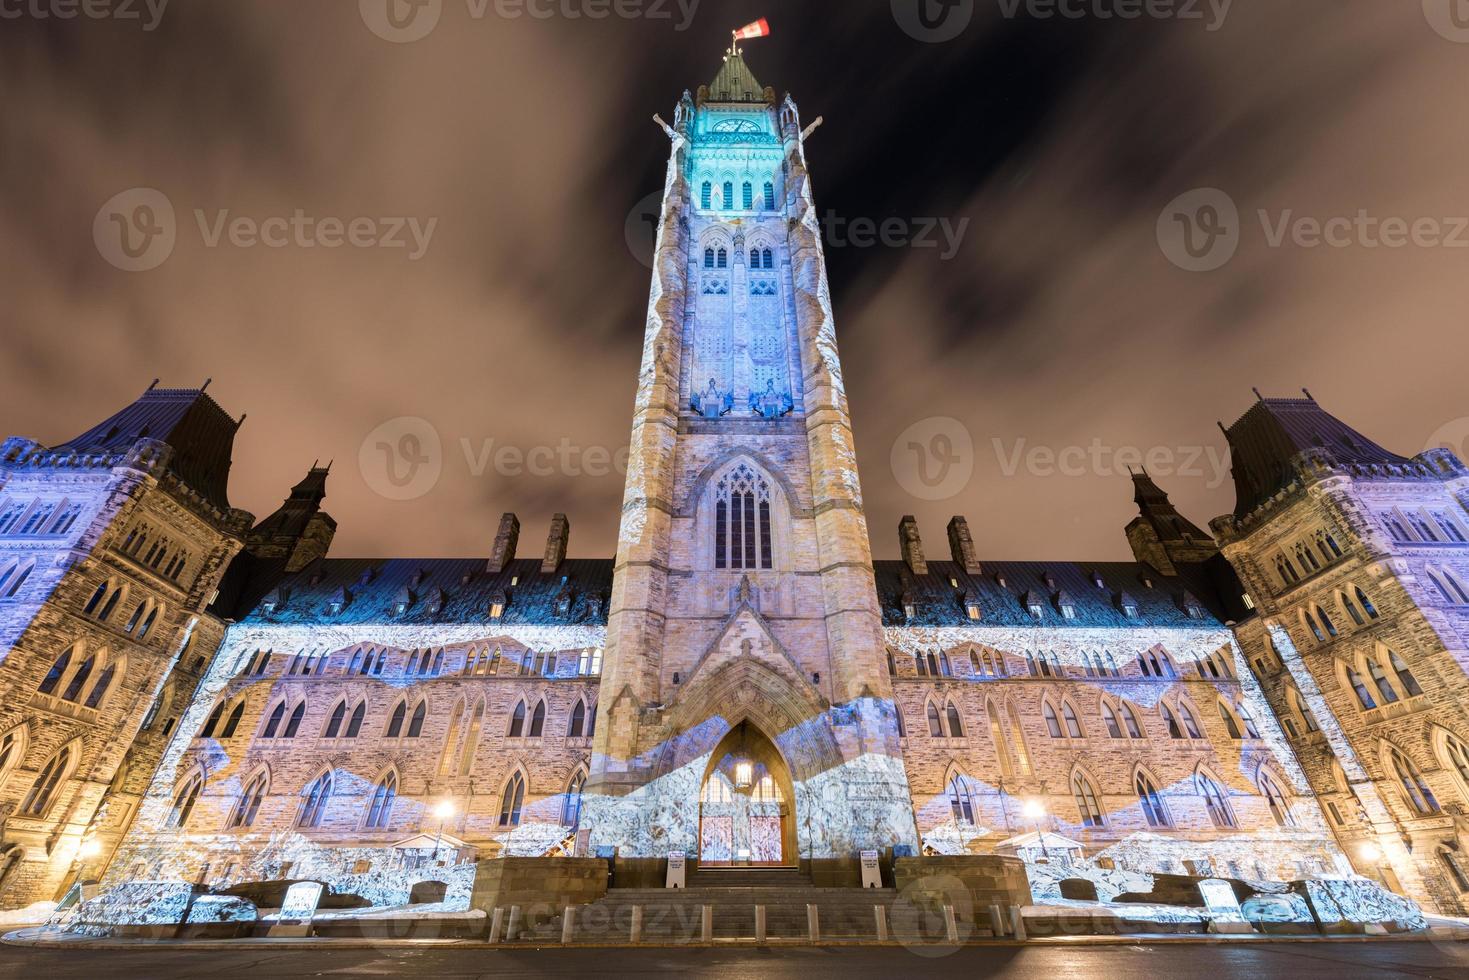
(746, 804)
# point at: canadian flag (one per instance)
(761, 28)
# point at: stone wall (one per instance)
(1345, 748)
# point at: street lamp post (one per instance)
(444, 810)
(1035, 811)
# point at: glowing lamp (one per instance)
(444, 810)
(89, 849)
(1370, 852)
(744, 773)
(1033, 809)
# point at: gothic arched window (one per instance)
(571, 804)
(511, 800)
(1215, 802)
(380, 810)
(517, 721)
(728, 195)
(769, 196)
(1152, 802)
(44, 788)
(709, 257)
(1086, 801)
(415, 725)
(578, 721)
(1415, 791)
(748, 196)
(1279, 808)
(722, 258)
(742, 521)
(538, 720)
(314, 801)
(961, 799)
(248, 804)
(956, 727)
(183, 803)
(706, 195)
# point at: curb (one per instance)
(46, 942)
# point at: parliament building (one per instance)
(194, 694)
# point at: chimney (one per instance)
(961, 545)
(556, 543)
(503, 552)
(912, 546)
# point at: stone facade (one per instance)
(743, 683)
(1356, 560)
(111, 546)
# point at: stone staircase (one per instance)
(671, 916)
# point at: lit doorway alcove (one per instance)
(746, 814)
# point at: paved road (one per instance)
(1296, 961)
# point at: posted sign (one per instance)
(675, 871)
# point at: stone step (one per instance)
(678, 915)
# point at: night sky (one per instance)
(1058, 321)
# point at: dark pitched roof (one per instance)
(201, 434)
(1154, 506)
(440, 590)
(304, 502)
(939, 603)
(1266, 438)
(735, 82)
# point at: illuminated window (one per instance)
(1415, 791)
(742, 531)
(511, 801)
(314, 800)
(247, 805)
(1215, 802)
(43, 790)
(1086, 801)
(380, 809)
(183, 802)
(1153, 808)
(1279, 808)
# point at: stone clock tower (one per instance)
(746, 713)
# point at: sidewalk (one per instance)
(41, 937)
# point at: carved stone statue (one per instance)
(712, 403)
(771, 404)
